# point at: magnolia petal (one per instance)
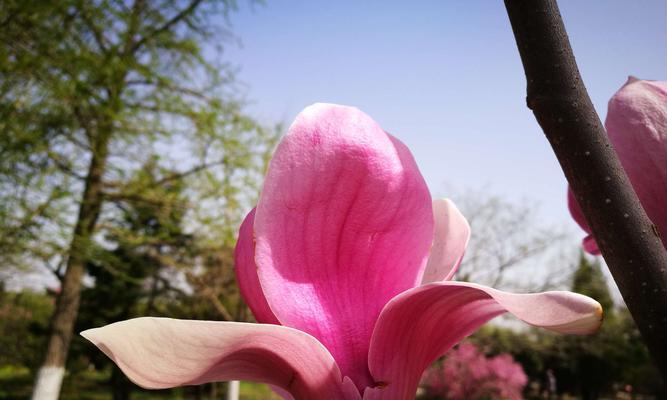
(452, 233)
(420, 325)
(343, 224)
(158, 353)
(588, 243)
(282, 393)
(637, 127)
(246, 273)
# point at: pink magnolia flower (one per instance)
(334, 263)
(637, 127)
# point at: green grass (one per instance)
(16, 384)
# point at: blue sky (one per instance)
(443, 76)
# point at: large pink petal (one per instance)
(420, 325)
(246, 273)
(452, 233)
(637, 127)
(159, 353)
(344, 223)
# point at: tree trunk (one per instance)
(120, 385)
(52, 371)
(629, 241)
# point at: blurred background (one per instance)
(134, 136)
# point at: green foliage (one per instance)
(588, 280)
(144, 242)
(614, 354)
(24, 319)
(136, 85)
(119, 121)
(127, 83)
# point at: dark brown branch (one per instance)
(64, 165)
(175, 88)
(29, 220)
(117, 198)
(628, 240)
(56, 270)
(192, 171)
(120, 196)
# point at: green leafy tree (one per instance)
(589, 280)
(593, 362)
(592, 365)
(24, 318)
(92, 91)
(144, 246)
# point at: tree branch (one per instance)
(175, 88)
(64, 165)
(167, 25)
(133, 25)
(192, 171)
(628, 240)
(132, 196)
(100, 40)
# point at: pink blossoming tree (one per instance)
(467, 374)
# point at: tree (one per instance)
(592, 361)
(24, 319)
(90, 92)
(506, 239)
(589, 280)
(466, 373)
(143, 247)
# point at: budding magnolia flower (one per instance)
(637, 127)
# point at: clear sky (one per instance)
(443, 76)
